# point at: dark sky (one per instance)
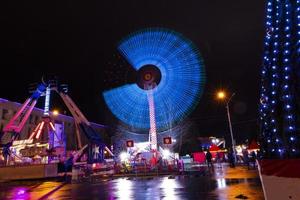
(77, 41)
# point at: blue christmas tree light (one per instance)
(278, 108)
(180, 86)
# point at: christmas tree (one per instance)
(279, 97)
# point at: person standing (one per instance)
(231, 158)
(253, 159)
(219, 160)
(208, 157)
(246, 158)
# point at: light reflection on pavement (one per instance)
(222, 183)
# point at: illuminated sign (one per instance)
(129, 143)
(167, 140)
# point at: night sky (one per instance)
(77, 42)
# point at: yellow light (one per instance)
(221, 95)
(55, 112)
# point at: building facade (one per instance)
(8, 109)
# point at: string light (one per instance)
(277, 75)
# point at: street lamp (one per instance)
(55, 112)
(221, 95)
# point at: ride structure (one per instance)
(46, 126)
(95, 146)
(17, 122)
(169, 76)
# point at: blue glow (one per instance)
(182, 78)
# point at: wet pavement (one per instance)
(222, 183)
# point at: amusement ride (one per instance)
(95, 146)
(169, 74)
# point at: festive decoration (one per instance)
(171, 62)
(279, 80)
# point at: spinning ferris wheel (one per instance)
(170, 74)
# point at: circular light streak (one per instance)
(181, 82)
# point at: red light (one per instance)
(129, 143)
(167, 140)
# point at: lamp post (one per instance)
(222, 96)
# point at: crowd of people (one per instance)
(247, 159)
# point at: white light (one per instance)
(292, 138)
(168, 187)
(124, 188)
(277, 140)
(221, 183)
(123, 156)
(217, 140)
(166, 153)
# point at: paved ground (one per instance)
(222, 183)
